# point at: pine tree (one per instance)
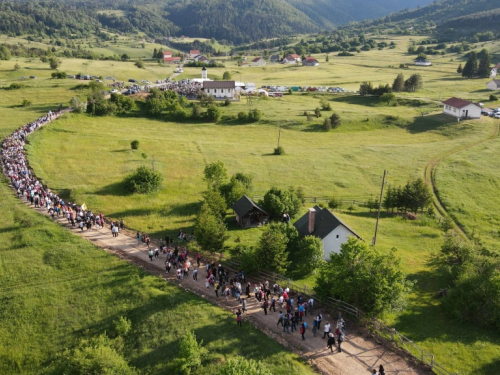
(484, 65)
(155, 53)
(459, 69)
(470, 68)
(399, 83)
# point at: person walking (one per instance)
(331, 342)
(280, 319)
(151, 255)
(138, 235)
(265, 305)
(294, 322)
(326, 330)
(244, 305)
(319, 318)
(207, 282)
(157, 254)
(303, 328)
(286, 324)
(273, 304)
(238, 317)
(195, 274)
(381, 370)
(198, 259)
(315, 327)
(168, 266)
(340, 339)
(216, 288)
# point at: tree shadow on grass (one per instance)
(184, 210)
(118, 189)
(435, 122)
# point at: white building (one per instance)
(258, 61)
(460, 108)
(292, 59)
(323, 224)
(493, 85)
(423, 62)
(204, 76)
(193, 53)
(220, 89)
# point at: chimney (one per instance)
(312, 215)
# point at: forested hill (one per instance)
(446, 20)
(239, 21)
(330, 13)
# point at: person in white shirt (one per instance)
(327, 330)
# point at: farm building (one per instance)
(461, 109)
(322, 223)
(493, 85)
(249, 214)
(291, 59)
(220, 89)
(258, 61)
(274, 58)
(423, 62)
(193, 53)
(310, 61)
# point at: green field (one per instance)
(347, 162)
(57, 289)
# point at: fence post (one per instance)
(357, 313)
(432, 361)
(393, 330)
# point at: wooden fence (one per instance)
(379, 329)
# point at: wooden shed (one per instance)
(249, 214)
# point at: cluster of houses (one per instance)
(318, 222)
(193, 55)
(290, 59)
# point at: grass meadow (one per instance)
(57, 289)
(347, 162)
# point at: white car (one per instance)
(113, 91)
(497, 115)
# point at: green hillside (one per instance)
(447, 20)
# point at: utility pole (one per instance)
(153, 162)
(379, 207)
(279, 134)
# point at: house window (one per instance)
(337, 236)
(215, 90)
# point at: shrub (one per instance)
(335, 120)
(227, 102)
(334, 203)
(139, 64)
(254, 115)
(15, 86)
(213, 113)
(279, 151)
(26, 103)
(143, 181)
(77, 105)
(242, 116)
(317, 112)
(493, 98)
(134, 145)
(59, 75)
(327, 124)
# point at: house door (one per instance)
(466, 113)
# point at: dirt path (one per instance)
(431, 167)
(359, 354)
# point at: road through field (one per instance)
(359, 355)
(431, 167)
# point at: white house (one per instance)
(493, 85)
(460, 108)
(258, 61)
(291, 59)
(220, 89)
(193, 53)
(310, 61)
(327, 227)
(423, 62)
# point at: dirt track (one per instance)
(359, 353)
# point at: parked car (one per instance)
(113, 91)
(132, 80)
(497, 115)
(32, 77)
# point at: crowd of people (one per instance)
(187, 88)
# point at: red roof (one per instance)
(167, 59)
(256, 59)
(457, 103)
(295, 56)
(194, 52)
(310, 59)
